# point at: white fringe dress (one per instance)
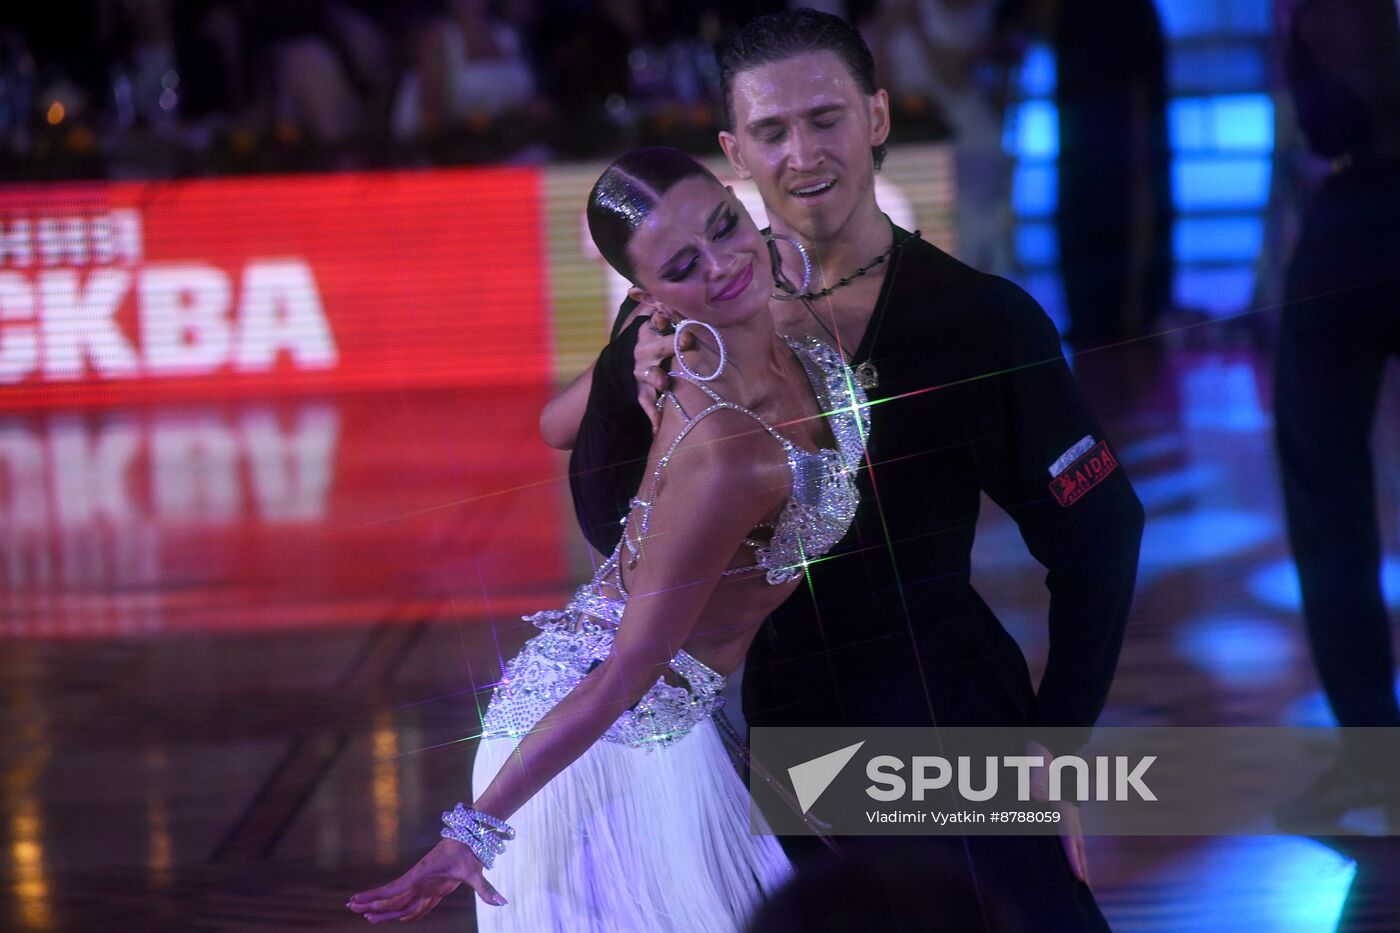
(649, 829)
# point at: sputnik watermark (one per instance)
(1062, 778)
(1121, 781)
(1117, 778)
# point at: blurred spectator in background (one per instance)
(1339, 328)
(465, 63)
(166, 88)
(1114, 173)
(939, 51)
(1115, 199)
(17, 77)
(322, 67)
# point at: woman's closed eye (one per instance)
(727, 223)
(683, 273)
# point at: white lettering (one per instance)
(1081, 776)
(194, 470)
(184, 319)
(91, 479)
(127, 236)
(17, 244)
(881, 769)
(281, 310)
(922, 782)
(23, 506)
(1023, 765)
(19, 346)
(292, 472)
(1134, 778)
(988, 791)
(82, 325)
(63, 241)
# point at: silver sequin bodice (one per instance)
(574, 640)
(824, 497)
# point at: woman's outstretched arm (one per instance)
(726, 478)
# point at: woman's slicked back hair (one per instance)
(627, 192)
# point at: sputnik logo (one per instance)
(811, 778)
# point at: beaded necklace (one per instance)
(866, 376)
(813, 296)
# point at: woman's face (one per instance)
(699, 253)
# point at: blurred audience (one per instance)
(1114, 182)
(169, 88)
(939, 53)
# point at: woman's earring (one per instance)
(785, 291)
(680, 361)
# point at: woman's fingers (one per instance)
(390, 897)
(420, 909)
(486, 892)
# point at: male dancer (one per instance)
(970, 394)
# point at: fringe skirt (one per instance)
(630, 840)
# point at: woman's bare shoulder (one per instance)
(726, 446)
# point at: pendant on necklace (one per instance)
(867, 376)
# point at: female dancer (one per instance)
(599, 744)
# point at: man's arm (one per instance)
(560, 419)
(610, 451)
(1042, 456)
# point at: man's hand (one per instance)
(1072, 839)
(1071, 832)
(410, 896)
(655, 345)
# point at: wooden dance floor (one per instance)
(244, 647)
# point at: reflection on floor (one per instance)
(245, 646)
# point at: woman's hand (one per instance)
(418, 890)
(655, 345)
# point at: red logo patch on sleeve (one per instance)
(1084, 474)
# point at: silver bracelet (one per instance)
(481, 832)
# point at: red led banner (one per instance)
(268, 286)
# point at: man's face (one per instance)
(803, 132)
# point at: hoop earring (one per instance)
(780, 294)
(680, 361)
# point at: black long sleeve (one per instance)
(1088, 535)
(609, 456)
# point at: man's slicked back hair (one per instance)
(779, 36)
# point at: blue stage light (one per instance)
(1276, 584)
(1172, 543)
(1033, 191)
(1037, 245)
(1206, 239)
(1033, 130)
(1204, 184)
(1215, 290)
(1245, 651)
(1277, 883)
